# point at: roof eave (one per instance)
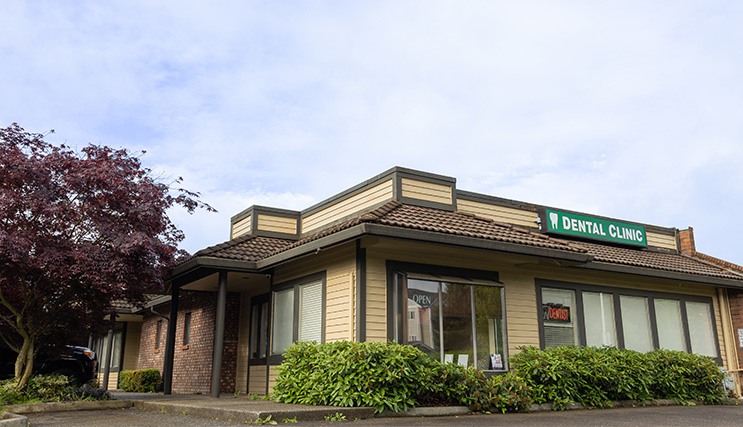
(663, 274)
(207, 262)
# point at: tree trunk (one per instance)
(24, 363)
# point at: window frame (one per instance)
(186, 329)
(296, 284)
(579, 288)
(397, 311)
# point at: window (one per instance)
(453, 320)
(701, 332)
(259, 327)
(187, 328)
(577, 314)
(598, 312)
(636, 323)
(558, 317)
(102, 350)
(298, 313)
(158, 334)
(670, 325)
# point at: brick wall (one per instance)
(736, 314)
(192, 363)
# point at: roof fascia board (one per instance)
(212, 263)
(313, 246)
(663, 274)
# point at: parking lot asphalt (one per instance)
(641, 416)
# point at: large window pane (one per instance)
(423, 316)
(283, 320)
(489, 328)
(598, 311)
(456, 301)
(670, 326)
(636, 323)
(558, 311)
(258, 325)
(699, 315)
(310, 312)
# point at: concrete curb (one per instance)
(432, 411)
(8, 419)
(82, 405)
(248, 415)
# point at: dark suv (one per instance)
(74, 361)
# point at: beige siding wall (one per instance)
(242, 227)
(257, 380)
(376, 297)
(113, 379)
(131, 345)
(518, 274)
(272, 374)
(523, 218)
(278, 224)
(661, 240)
(340, 267)
(359, 202)
(428, 191)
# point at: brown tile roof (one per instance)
(245, 248)
(656, 260)
(396, 214)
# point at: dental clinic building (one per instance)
(408, 257)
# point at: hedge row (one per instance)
(388, 376)
(141, 380)
(596, 376)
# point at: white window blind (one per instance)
(636, 323)
(558, 333)
(700, 328)
(670, 325)
(598, 310)
(283, 320)
(310, 312)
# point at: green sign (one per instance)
(588, 227)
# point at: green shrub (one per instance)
(596, 376)
(388, 376)
(384, 376)
(9, 394)
(683, 377)
(508, 393)
(48, 388)
(141, 380)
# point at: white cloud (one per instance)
(626, 109)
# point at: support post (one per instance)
(219, 334)
(170, 342)
(108, 350)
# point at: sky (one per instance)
(626, 109)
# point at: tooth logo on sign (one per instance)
(553, 219)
